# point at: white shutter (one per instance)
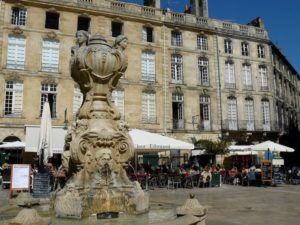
(232, 114)
(144, 34)
(249, 114)
(118, 98)
(50, 57)
(229, 73)
(18, 98)
(149, 107)
(263, 76)
(77, 100)
(148, 66)
(247, 75)
(16, 52)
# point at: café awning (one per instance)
(32, 138)
(147, 140)
(12, 145)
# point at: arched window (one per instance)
(249, 113)
(203, 71)
(265, 107)
(177, 111)
(176, 68)
(205, 121)
(263, 76)
(247, 77)
(232, 113)
(229, 75)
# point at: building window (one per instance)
(247, 77)
(177, 111)
(77, 100)
(202, 43)
(203, 71)
(176, 39)
(13, 98)
(49, 92)
(262, 73)
(249, 114)
(260, 51)
(266, 115)
(245, 49)
(232, 113)
(149, 107)
(228, 46)
(118, 99)
(176, 68)
(52, 20)
(229, 75)
(16, 52)
(83, 23)
(18, 16)
(147, 34)
(204, 113)
(50, 56)
(116, 28)
(148, 66)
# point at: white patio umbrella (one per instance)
(272, 146)
(45, 135)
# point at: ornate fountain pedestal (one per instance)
(98, 146)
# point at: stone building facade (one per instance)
(189, 76)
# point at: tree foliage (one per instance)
(213, 147)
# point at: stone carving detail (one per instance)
(98, 146)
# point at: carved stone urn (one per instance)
(98, 146)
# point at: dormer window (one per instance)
(147, 34)
(52, 20)
(18, 16)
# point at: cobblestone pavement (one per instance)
(230, 205)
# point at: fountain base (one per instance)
(77, 205)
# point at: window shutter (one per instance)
(77, 100)
(149, 107)
(148, 66)
(118, 98)
(144, 34)
(16, 52)
(18, 98)
(50, 57)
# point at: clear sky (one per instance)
(281, 18)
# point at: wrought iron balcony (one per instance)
(249, 125)
(178, 124)
(200, 124)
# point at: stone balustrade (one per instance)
(165, 15)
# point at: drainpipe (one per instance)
(219, 87)
(165, 78)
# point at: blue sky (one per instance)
(281, 18)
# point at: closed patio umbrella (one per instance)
(45, 135)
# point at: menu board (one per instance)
(266, 171)
(20, 176)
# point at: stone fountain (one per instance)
(98, 146)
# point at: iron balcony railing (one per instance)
(250, 125)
